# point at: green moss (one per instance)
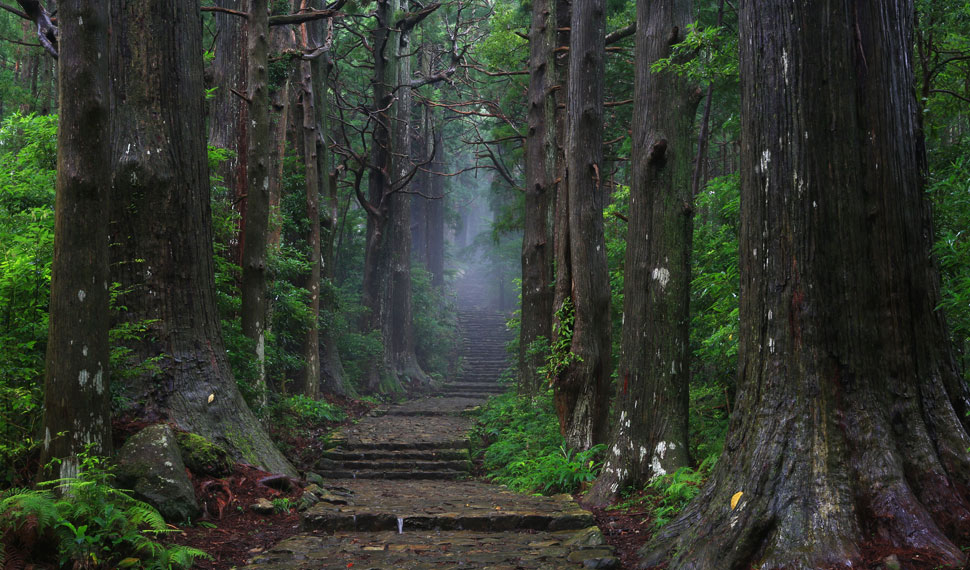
(202, 456)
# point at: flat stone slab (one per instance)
(439, 406)
(377, 505)
(405, 432)
(434, 550)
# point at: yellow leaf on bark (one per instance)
(211, 397)
(735, 499)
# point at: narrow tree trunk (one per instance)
(228, 112)
(849, 430)
(311, 370)
(436, 207)
(253, 292)
(582, 389)
(540, 165)
(161, 230)
(649, 437)
(77, 402)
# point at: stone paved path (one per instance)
(398, 492)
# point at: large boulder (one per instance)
(203, 457)
(150, 464)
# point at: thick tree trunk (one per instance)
(849, 427)
(563, 276)
(253, 291)
(649, 438)
(582, 389)
(77, 402)
(540, 166)
(397, 321)
(228, 112)
(161, 230)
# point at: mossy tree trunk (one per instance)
(849, 431)
(161, 231)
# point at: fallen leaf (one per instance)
(211, 397)
(735, 499)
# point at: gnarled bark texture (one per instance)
(849, 426)
(649, 437)
(161, 230)
(77, 402)
(582, 389)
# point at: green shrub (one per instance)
(523, 449)
(677, 489)
(301, 410)
(84, 522)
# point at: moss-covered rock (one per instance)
(150, 464)
(203, 457)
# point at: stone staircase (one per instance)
(398, 493)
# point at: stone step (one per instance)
(419, 465)
(422, 550)
(376, 505)
(398, 432)
(393, 474)
(403, 455)
(482, 386)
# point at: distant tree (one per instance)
(649, 436)
(77, 401)
(849, 431)
(161, 230)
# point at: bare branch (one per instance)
(243, 15)
(46, 30)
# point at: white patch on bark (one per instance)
(771, 345)
(754, 252)
(81, 295)
(68, 468)
(47, 438)
(662, 275)
(80, 21)
(84, 350)
(83, 377)
(770, 314)
(658, 454)
(765, 160)
(99, 380)
(784, 65)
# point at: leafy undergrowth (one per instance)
(521, 447)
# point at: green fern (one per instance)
(93, 525)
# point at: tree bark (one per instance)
(229, 113)
(849, 430)
(436, 206)
(582, 389)
(77, 401)
(649, 438)
(161, 230)
(254, 243)
(540, 168)
(397, 322)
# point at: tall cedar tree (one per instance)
(540, 169)
(77, 402)
(849, 430)
(161, 230)
(650, 435)
(581, 390)
(255, 230)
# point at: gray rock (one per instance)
(263, 507)
(150, 464)
(590, 536)
(891, 562)
(312, 477)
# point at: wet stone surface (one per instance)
(427, 550)
(396, 491)
(380, 505)
(406, 432)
